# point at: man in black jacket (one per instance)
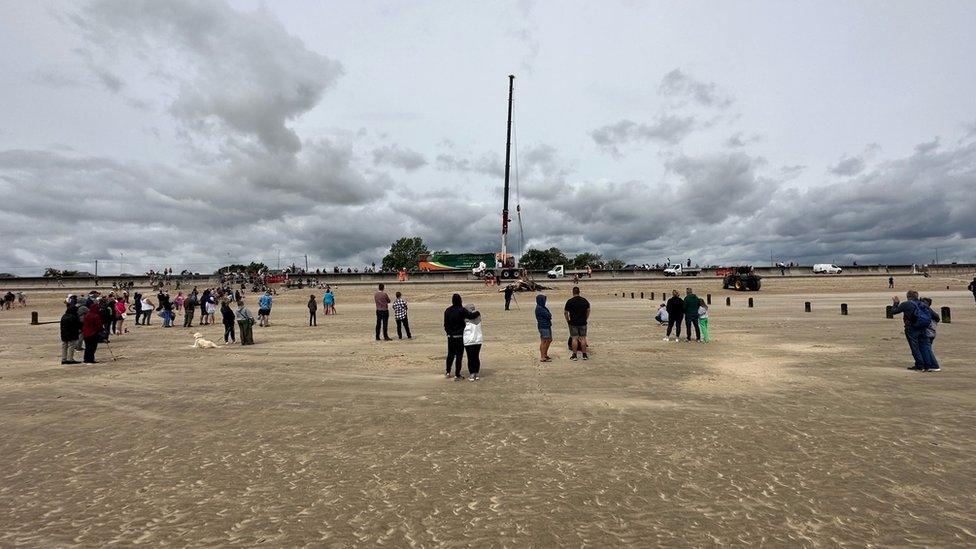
(676, 311)
(70, 330)
(454, 317)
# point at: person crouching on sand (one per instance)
(472, 343)
(543, 320)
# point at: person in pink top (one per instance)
(178, 301)
(119, 307)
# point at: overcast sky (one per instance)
(192, 133)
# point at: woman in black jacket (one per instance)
(227, 317)
(454, 317)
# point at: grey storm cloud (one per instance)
(486, 164)
(678, 84)
(668, 129)
(255, 166)
(848, 165)
(242, 69)
(398, 157)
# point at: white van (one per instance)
(826, 268)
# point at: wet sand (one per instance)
(789, 429)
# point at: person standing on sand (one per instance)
(313, 306)
(676, 310)
(473, 338)
(508, 296)
(328, 301)
(577, 313)
(189, 308)
(703, 320)
(400, 315)
(972, 287)
(891, 282)
(91, 327)
(454, 317)
(227, 317)
(264, 310)
(382, 301)
(137, 307)
(245, 320)
(917, 318)
(692, 302)
(70, 330)
(543, 320)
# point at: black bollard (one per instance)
(728, 302)
(806, 306)
(946, 316)
(843, 309)
(888, 312)
(632, 295)
(34, 318)
(708, 299)
(750, 302)
(652, 296)
(642, 295)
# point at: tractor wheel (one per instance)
(739, 285)
(755, 285)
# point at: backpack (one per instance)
(923, 316)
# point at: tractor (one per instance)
(740, 278)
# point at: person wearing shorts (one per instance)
(264, 309)
(577, 312)
(543, 319)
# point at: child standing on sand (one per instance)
(703, 320)
(472, 343)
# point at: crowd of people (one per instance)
(91, 320)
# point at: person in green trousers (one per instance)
(703, 321)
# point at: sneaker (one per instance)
(936, 369)
(459, 378)
(448, 375)
(585, 357)
(666, 339)
(573, 357)
(915, 368)
(473, 378)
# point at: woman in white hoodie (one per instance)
(472, 344)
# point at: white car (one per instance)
(826, 268)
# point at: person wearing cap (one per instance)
(70, 330)
(472, 338)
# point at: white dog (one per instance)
(200, 343)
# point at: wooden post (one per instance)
(888, 312)
(946, 316)
(708, 299)
(806, 306)
(843, 309)
(750, 302)
(34, 318)
(728, 302)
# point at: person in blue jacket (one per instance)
(543, 319)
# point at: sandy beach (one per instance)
(788, 429)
